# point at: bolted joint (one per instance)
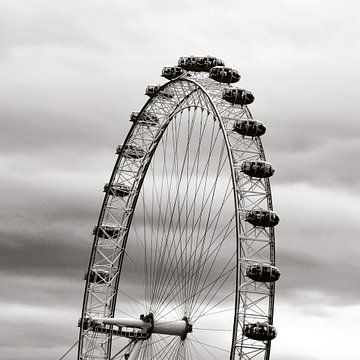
(149, 322)
(188, 329)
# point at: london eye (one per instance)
(183, 259)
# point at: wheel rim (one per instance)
(174, 265)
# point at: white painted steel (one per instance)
(134, 323)
(175, 328)
(135, 351)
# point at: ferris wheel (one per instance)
(183, 259)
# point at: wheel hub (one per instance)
(147, 323)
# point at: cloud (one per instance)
(317, 241)
(316, 332)
(42, 292)
(47, 219)
(44, 332)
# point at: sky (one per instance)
(73, 71)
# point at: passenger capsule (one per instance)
(263, 218)
(263, 272)
(146, 118)
(98, 276)
(153, 90)
(119, 190)
(107, 231)
(260, 331)
(224, 74)
(257, 168)
(172, 72)
(249, 127)
(238, 96)
(131, 151)
(199, 63)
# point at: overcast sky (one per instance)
(71, 73)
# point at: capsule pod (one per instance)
(172, 72)
(224, 74)
(199, 63)
(238, 96)
(262, 218)
(146, 118)
(131, 151)
(106, 231)
(257, 168)
(153, 90)
(263, 272)
(98, 276)
(249, 127)
(260, 331)
(119, 190)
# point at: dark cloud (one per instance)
(46, 222)
(333, 280)
(317, 242)
(45, 289)
(49, 253)
(44, 332)
(56, 131)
